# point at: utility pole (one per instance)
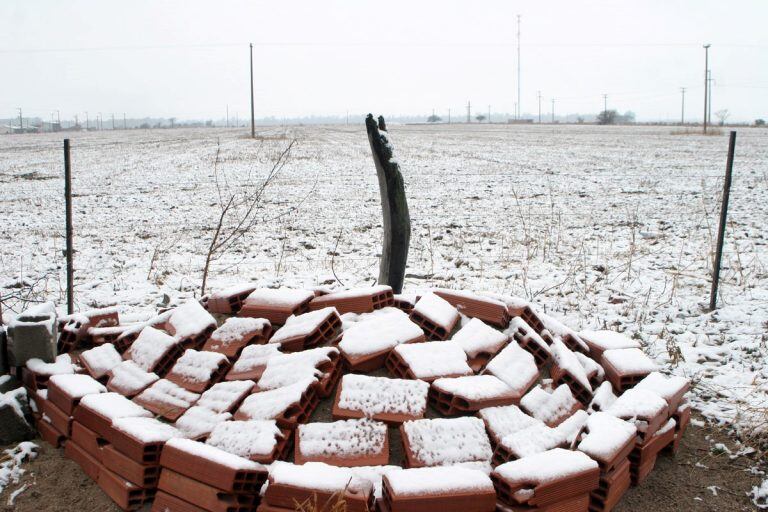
(58, 118)
(682, 110)
(706, 82)
(347, 117)
(227, 116)
(21, 122)
(605, 103)
(519, 106)
(539, 107)
(86, 121)
(77, 123)
(113, 121)
(709, 99)
(553, 110)
(469, 112)
(449, 115)
(489, 114)
(253, 121)
(125, 125)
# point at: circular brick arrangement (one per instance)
(495, 405)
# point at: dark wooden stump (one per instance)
(394, 205)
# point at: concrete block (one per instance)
(33, 334)
(14, 410)
(8, 383)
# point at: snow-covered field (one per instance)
(603, 226)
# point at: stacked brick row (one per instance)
(194, 406)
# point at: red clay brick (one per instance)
(206, 496)
(263, 304)
(87, 463)
(360, 300)
(49, 433)
(180, 378)
(327, 326)
(141, 475)
(126, 495)
(165, 502)
(88, 440)
(219, 341)
(58, 418)
(211, 472)
(612, 487)
(475, 306)
(227, 302)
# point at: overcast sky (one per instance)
(189, 58)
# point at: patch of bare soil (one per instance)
(697, 479)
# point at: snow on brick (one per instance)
(545, 467)
(197, 366)
(515, 366)
(199, 421)
(448, 441)
(76, 385)
(297, 326)
(667, 388)
(113, 406)
(534, 439)
(146, 430)
(473, 387)
(477, 337)
(101, 359)
(559, 330)
(631, 361)
(166, 395)
(608, 340)
(61, 365)
(437, 310)
(318, 476)
(434, 359)
(505, 420)
(234, 329)
(213, 454)
(517, 323)
(285, 369)
(255, 356)
(378, 331)
(438, 480)
(248, 439)
(345, 438)
(280, 297)
(150, 347)
(605, 436)
(637, 405)
(189, 320)
(268, 405)
(374, 474)
(567, 360)
(224, 395)
(129, 378)
(591, 368)
(573, 426)
(603, 398)
(381, 395)
(551, 408)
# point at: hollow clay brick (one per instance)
(475, 306)
(362, 300)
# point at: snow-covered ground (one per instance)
(603, 226)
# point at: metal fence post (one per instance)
(68, 199)
(723, 219)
